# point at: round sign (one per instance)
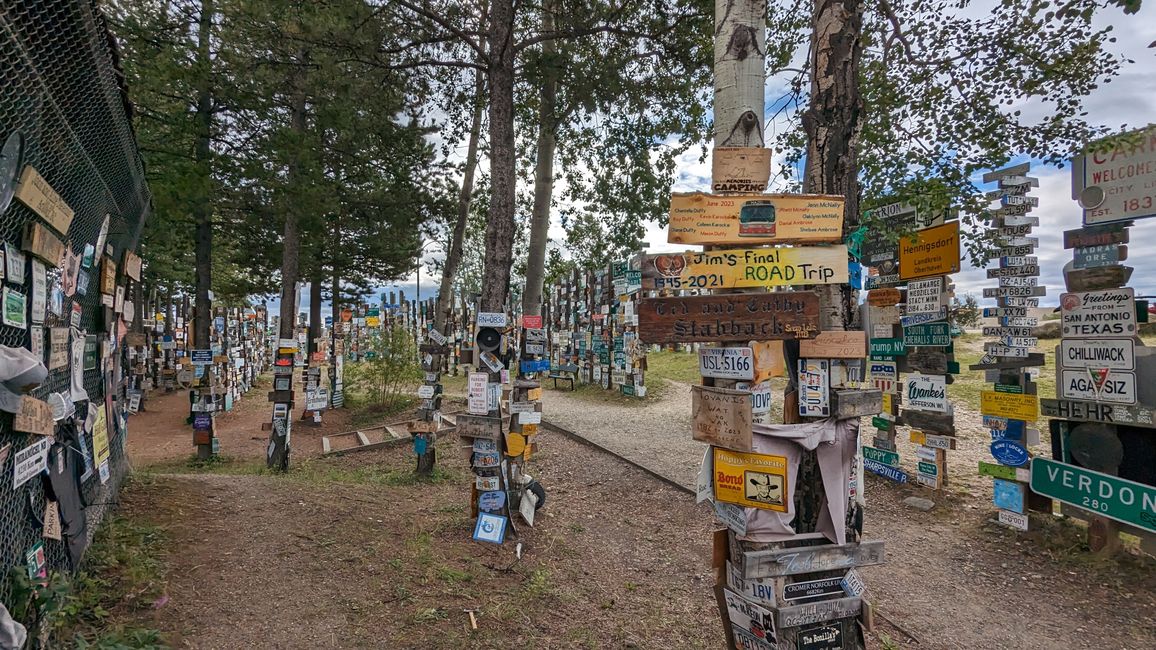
(1010, 453)
(491, 501)
(1092, 197)
(11, 160)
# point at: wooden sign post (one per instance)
(1011, 407)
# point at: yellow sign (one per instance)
(699, 218)
(769, 360)
(372, 321)
(755, 267)
(515, 444)
(1015, 406)
(932, 251)
(35, 192)
(534, 394)
(751, 480)
(100, 438)
(886, 403)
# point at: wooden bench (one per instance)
(567, 372)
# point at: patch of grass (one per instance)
(219, 464)
(538, 584)
(675, 366)
(655, 389)
(98, 608)
(452, 575)
(324, 471)
(430, 615)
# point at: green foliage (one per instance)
(124, 574)
(966, 312)
(384, 376)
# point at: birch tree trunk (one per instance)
(465, 196)
(740, 47)
(543, 173)
(500, 224)
(832, 125)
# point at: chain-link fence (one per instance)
(62, 89)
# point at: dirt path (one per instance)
(952, 579)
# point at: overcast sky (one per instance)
(1129, 99)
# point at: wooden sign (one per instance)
(42, 244)
(1009, 405)
(781, 562)
(1096, 236)
(699, 218)
(751, 480)
(726, 318)
(740, 169)
(926, 392)
(1095, 314)
(746, 615)
(928, 421)
(478, 426)
(835, 345)
(35, 192)
(934, 251)
(132, 265)
(1067, 409)
(928, 360)
(820, 612)
(35, 416)
(884, 297)
(108, 276)
(759, 267)
(721, 417)
(1103, 277)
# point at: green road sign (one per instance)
(881, 423)
(1009, 388)
(930, 469)
(881, 456)
(927, 334)
(887, 347)
(1125, 501)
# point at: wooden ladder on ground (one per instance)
(376, 437)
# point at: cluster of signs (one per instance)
(501, 424)
(907, 313)
(1104, 410)
(1011, 406)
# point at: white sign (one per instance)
(1098, 314)
(1117, 184)
(39, 291)
(30, 461)
(437, 337)
(1016, 281)
(925, 296)
(1115, 354)
(14, 261)
(1013, 519)
(491, 319)
(523, 407)
(530, 417)
(761, 398)
(928, 481)
(926, 392)
(748, 616)
(1101, 385)
(732, 516)
(425, 392)
(760, 591)
(936, 442)
(926, 453)
(726, 363)
(477, 383)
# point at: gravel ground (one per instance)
(953, 580)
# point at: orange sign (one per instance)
(700, 218)
(933, 251)
(884, 297)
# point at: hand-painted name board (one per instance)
(796, 561)
(820, 612)
(35, 192)
(934, 251)
(699, 218)
(835, 345)
(749, 317)
(721, 417)
(827, 637)
(740, 169)
(1067, 409)
(478, 426)
(1113, 234)
(751, 480)
(759, 267)
(1125, 501)
(1098, 314)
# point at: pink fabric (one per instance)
(836, 442)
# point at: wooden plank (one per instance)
(1083, 411)
(822, 611)
(835, 345)
(729, 318)
(35, 192)
(721, 417)
(479, 426)
(1034, 359)
(933, 422)
(855, 403)
(930, 361)
(325, 447)
(41, 243)
(1116, 233)
(1098, 278)
(796, 561)
(361, 437)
